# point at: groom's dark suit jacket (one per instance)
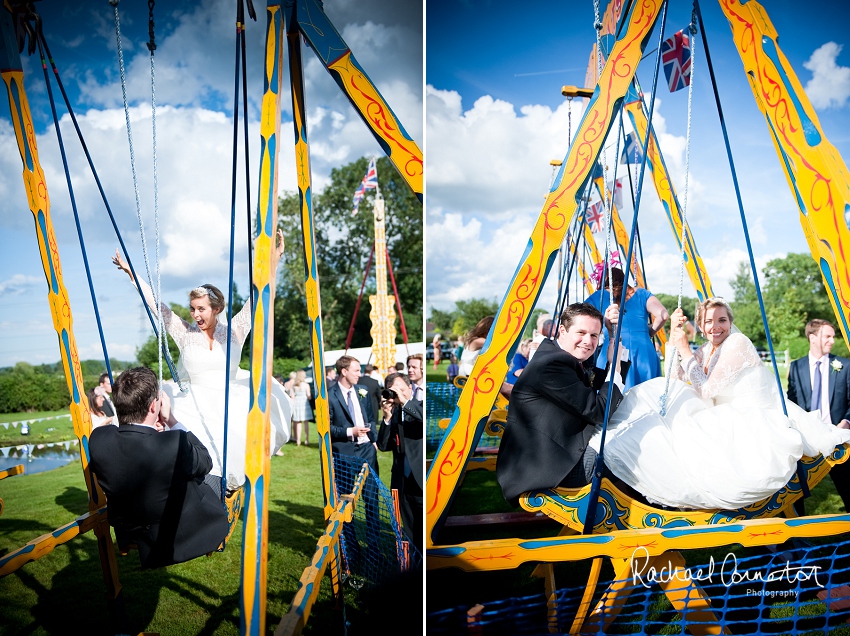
(155, 492)
(551, 416)
(800, 392)
(800, 387)
(341, 420)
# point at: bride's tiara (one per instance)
(203, 291)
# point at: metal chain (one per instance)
(161, 335)
(114, 4)
(155, 291)
(674, 357)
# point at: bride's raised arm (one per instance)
(735, 354)
(174, 324)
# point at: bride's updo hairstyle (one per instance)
(712, 303)
(214, 294)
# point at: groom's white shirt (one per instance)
(824, 387)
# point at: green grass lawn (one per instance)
(64, 591)
(438, 374)
(55, 430)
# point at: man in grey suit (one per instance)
(820, 383)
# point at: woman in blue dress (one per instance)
(642, 317)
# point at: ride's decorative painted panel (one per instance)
(491, 367)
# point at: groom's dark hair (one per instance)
(132, 394)
(579, 309)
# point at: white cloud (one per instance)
(18, 284)
(830, 83)
(663, 265)
(466, 257)
(489, 160)
(194, 96)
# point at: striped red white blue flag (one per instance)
(676, 57)
(596, 217)
(370, 182)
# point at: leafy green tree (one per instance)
(443, 321)
(532, 322)
(796, 279)
(148, 354)
(343, 245)
(745, 306)
(469, 312)
(670, 303)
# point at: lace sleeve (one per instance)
(242, 323)
(735, 354)
(678, 372)
(174, 325)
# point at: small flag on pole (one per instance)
(676, 57)
(632, 152)
(596, 217)
(617, 189)
(370, 182)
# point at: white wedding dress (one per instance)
(200, 410)
(724, 441)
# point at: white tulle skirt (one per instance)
(201, 411)
(724, 453)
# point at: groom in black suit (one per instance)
(821, 382)
(153, 477)
(352, 421)
(554, 408)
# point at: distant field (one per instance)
(62, 428)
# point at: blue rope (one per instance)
(247, 173)
(106, 203)
(800, 472)
(239, 13)
(73, 201)
(590, 517)
(632, 191)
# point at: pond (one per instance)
(38, 458)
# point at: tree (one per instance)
(793, 294)
(745, 307)
(443, 321)
(148, 353)
(671, 302)
(469, 312)
(532, 322)
(343, 245)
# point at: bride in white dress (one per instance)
(724, 441)
(201, 368)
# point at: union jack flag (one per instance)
(596, 217)
(370, 182)
(676, 57)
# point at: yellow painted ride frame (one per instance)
(819, 180)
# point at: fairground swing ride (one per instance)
(20, 24)
(599, 521)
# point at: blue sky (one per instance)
(495, 117)
(194, 72)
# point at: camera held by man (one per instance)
(401, 433)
